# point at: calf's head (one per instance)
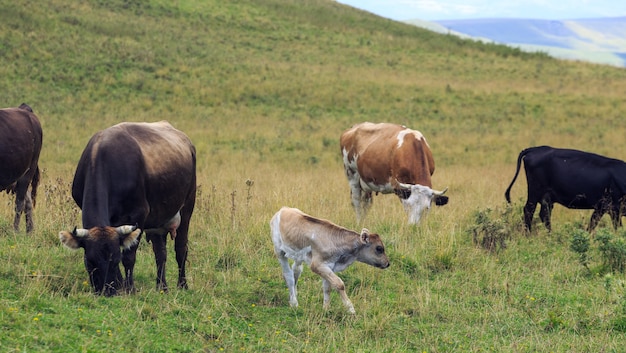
(373, 250)
(103, 252)
(417, 199)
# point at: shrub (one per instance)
(613, 250)
(580, 245)
(489, 233)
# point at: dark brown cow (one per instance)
(389, 158)
(20, 145)
(133, 177)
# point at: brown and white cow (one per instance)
(20, 145)
(389, 158)
(326, 247)
(133, 177)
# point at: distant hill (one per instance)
(598, 40)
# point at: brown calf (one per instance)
(326, 247)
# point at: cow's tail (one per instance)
(507, 193)
(34, 184)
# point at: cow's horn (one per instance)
(80, 232)
(127, 229)
(439, 193)
(404, 186)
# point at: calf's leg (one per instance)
(334, 282)
(290, 278)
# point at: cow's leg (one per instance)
(361, 200)
(355, 193)
(529, 212)
(289, 276)
(335, 282)
(158, 241)
(366, 204)
(545, 213)
(28, 211)
(182, 238)
(603, 206)
(615, 211)
(181, 249)
(129, 257)
(20, 202)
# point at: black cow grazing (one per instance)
(574, 179)
(133, 177)
(20, 145)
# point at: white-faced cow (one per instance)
(133, 177)
(20, 145)
(389, 158)
(574, 179)
(326, 247)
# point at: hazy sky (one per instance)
(464, 9)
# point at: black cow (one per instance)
(20, 145)
(133, 177)
(574, 179)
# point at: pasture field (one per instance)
(264, 88)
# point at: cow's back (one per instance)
(20, 144)
(134, 165)
(388, 153)
(370, 137)
(300, 230)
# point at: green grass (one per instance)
(264, 89)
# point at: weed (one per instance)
(613, 249)
(487, 232)
(580, 245)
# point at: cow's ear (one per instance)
(365, 236)
(69, 240)
(128, 240)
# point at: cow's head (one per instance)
(103, 252)
(373, 250)
(417, 199)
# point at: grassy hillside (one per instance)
(264, 89)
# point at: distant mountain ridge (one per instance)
(598, 40)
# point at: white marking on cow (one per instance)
(418, 204)
(418, 136)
